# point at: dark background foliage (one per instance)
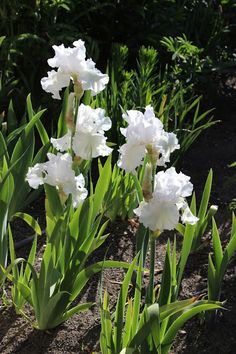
(31, 28)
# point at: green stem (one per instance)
(152, 243)
(77, 102)
(153, 176)
(152, 270)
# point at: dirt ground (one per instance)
(215, 148)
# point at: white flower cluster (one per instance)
(145, 134)
(72, 65)
(58, 172)
(162, 211)
(89, 140)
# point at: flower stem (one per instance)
(76, 107)
(149, 298)
(153, 176)
(152, 243)
(77, 101)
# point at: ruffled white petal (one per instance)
(63, 143)
(92, 120)
(92, 78)
(54, 82)
(89, 146)
(131, 156)
(188, 217)
(170, 184)
(77, 190)
(132, 117)
(67, 59)
(166, 144)
(58, 169)
(34, 176)
(158, 215)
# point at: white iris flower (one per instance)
(72, 65)
(58, 172)
(89, 140)
(145, 134)
(162, 212)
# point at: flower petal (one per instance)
(54, 82)
(158, 215)
(76, 188)
(92, 78)
(167, 143)
(92, 120)
(172, 185)
(68, 58)
(188, 217)
(88, 146)
(131, 156)
(34, 176)
(63, 143)
(58, 169)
